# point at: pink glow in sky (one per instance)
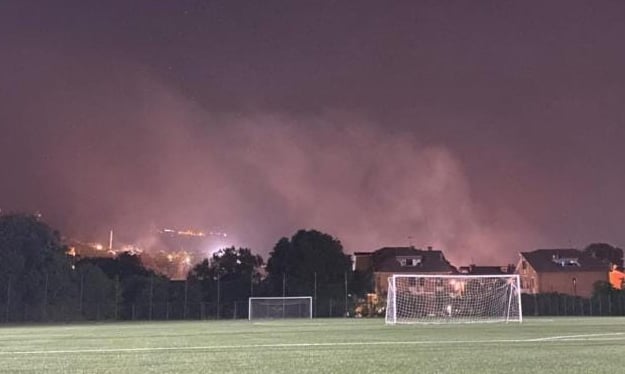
(481, 129)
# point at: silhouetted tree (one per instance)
(96, 292)
(602, 288)
(131, 280)
(362, 283)
(308, 256)
(35, 272)
(233, 270)
(606, 252)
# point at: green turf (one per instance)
(562, 345)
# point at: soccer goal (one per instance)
(453, 299)
(280, 307)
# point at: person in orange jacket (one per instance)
(616, 277)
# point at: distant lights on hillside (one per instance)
(193, 233)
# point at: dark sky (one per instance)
(483, 128)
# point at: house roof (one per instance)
(563, 260)
(430, 261)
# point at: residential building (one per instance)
(565, 271)
(387, 261)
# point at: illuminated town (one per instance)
(172, 253)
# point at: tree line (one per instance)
(40, 282)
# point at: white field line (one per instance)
(576, 337)
(586, 337)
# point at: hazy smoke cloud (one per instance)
(106, 146)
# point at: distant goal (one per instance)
(280, 307)
(453, 299)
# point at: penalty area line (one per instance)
(586, 337)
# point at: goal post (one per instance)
(419, 298)
(280, 307)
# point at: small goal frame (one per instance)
(285, 298)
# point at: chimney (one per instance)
(429, 247)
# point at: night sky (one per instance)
(483, 128)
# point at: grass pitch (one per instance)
(562, 345)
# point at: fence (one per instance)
(18, 313)
(152, 298)
(565, 305)
(158, 299)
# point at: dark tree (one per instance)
(132, 283)
(124, 266)
(35, 272)
(308, 257)
(606, 252)
(362, 283)
(234, 271)
(96, 292)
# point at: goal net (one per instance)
(280, 307)
(453, 298)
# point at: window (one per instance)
(566, 261)
(409, 261)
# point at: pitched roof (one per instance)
(563, 260)
(388, 259)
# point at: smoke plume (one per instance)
(103, 146)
